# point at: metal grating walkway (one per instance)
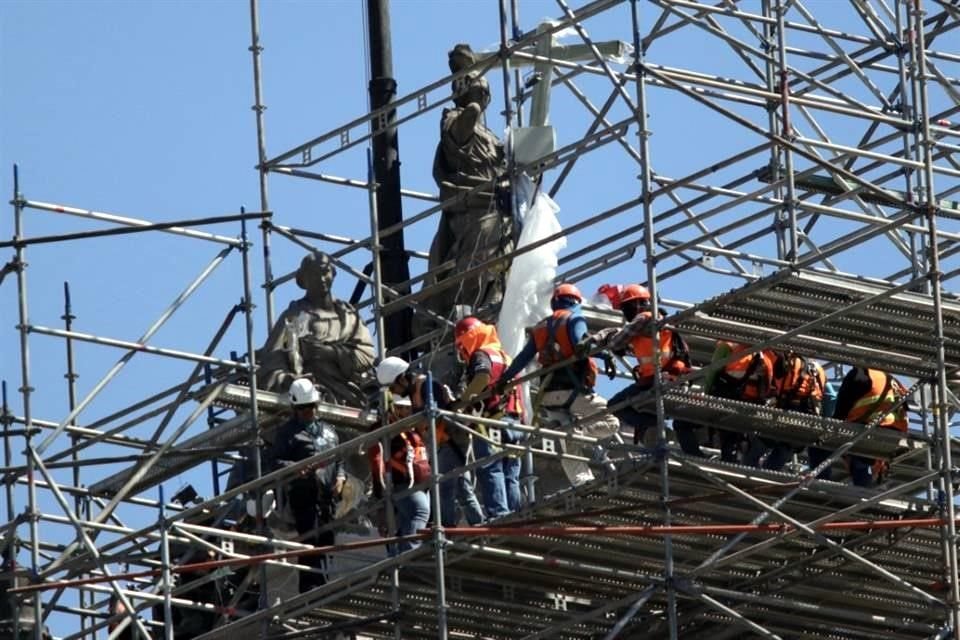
(575, 587)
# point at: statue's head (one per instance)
(461, 57)
(316, 273)
(471, 88)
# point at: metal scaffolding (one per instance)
(845, 150)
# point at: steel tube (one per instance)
(166, 580)
(86, 542)
(26, 391)
(481, 67)
(439, 539)
(176, 304)
(389, 515)
(136, 222)
(258, 108)
(941, 416)
(133, 346)
(649, 233)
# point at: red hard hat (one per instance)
(612, 292)
(567, 290)
(634, 292)
(465, 326)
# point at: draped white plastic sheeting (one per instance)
(530, 280)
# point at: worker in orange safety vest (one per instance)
(478, 347)
(569, 388)
(865, 395)
(747, 379)
(798, 385)
(674, 359)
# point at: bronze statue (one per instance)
(318, 336)
(473, 229)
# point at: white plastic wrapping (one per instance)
(530, 281)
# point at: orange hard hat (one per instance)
(567, 290)
(470, 334)
(635, 292)
(465, 325)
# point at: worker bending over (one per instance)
(568, 388)
(748, 378)
(394, 372)
(799, 385)
(408, 465)
(479, 347)
(674, 358)
(866, 394)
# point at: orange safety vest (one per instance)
(885, 391)
(671, 361)
(499, 361)
(801, 385)
(409, 458)
(749, 378)
(552, 339)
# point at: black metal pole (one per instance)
(386, 168)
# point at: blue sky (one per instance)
(143, 109)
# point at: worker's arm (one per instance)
(829, 399)
(280, 449)
(855, 384)
(520, 362)
(341, 473)
(478, 374)
(577, 328)
(721, 352)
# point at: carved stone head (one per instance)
(316, 273)
(460, 57)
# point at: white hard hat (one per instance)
(390, 368)
(268, 503)
(303, 392)
(401, 401)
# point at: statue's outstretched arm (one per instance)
(465, 122)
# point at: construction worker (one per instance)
(568, 389)
(747, 379)
(635, 305)
(479, 347)
(408, 465)
(798, 385)
(394, 372)
(313, 493)
(866, 394)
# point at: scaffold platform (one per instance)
(531, 585)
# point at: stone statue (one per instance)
(473, 229)
(318, 336)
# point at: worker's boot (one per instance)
(578, 472)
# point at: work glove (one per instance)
(609, 365)
(584, 347)
(603, 336)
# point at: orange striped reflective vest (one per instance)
(512, 405)
(800, 385)
(749, 378)
(885, 391)
(552, 339)
(671, 359)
